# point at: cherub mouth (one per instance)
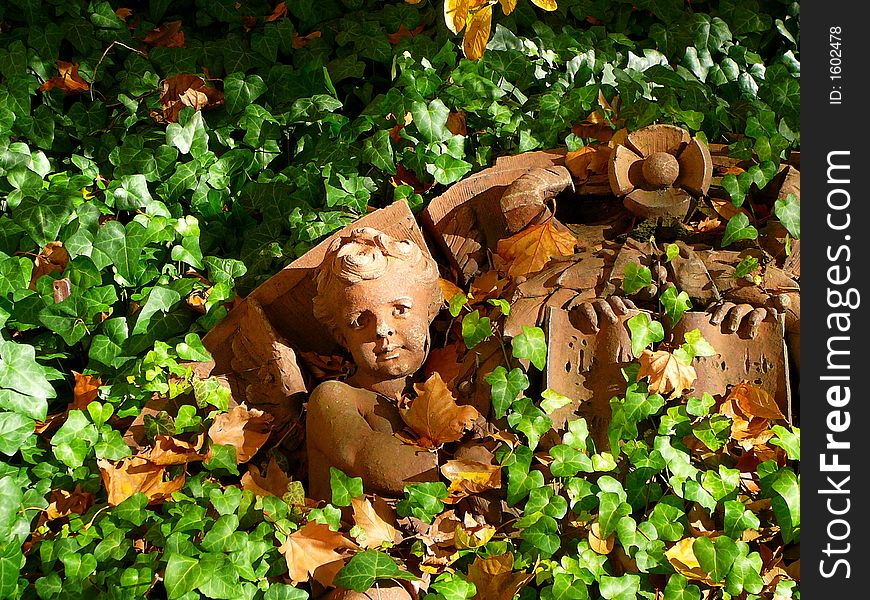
(389, 353)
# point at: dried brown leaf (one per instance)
(599, 544)
(168, 35)
(85, 390)
(313, 551)
(173, 451)
(434, 415)
(666, 373)
(129, 476)
(68, 80)
(588, 160)
(683, 559)
(63, 503)
(280, 11)
(530, 249)
(376, 519)
(755, 402)
(470, 477)
(273, 483)
(246, 429)
(495, 578)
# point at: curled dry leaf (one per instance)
(302, 41)
(53, 258)
(755, 402)
(129, 476)
(682, 558)
(404, 32)
(68, 80)
(246, 429)
(85, 390)
(487, 285)
(448, 288)
(274, 483)
(172, 451)
(63, 503)
(376, 519)
(529, 250)
(666, 373)
(280, 11)
(470, 477)
(495, 578)
(434, 415)
(168, 35)
(182, 90)
(588, 160)
(313, 551)
(599, 544)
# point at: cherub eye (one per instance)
(357, 321)
(401, 309)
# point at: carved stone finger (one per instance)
(605, 310)
(629, 304)
(720, 312)
(618, 304)
(755, 318)
(587, 311)
(781, 302)
(660, 273)
(735, 317)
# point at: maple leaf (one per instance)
(682, 558)
(135, 474)
(280, 11)
(246, 429)
(376, 520)
(85, 390)
(446, 362)
(434, 415)
(470, 477)
(69, 80)
(63, 503)
(274, 483)
(666, 372)
(530, 249)
(495, 579)
(168, 35)
(312, 552)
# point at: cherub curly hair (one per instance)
(368, 254)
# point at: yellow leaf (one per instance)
(434, 415)
(472, 534)
(755, 402)
(245, 429)
(495, 578)
(455, 14)
(375, 520)
(135, 474)
(666, 373)
(477, 34)
(471, 477)
(530, 249)
(508, 6)
(683, 559)
(599, 544)
(545, 4)
(311, 551)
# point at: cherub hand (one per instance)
(600, 310)
(734, 315)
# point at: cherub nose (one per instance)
(384, 328)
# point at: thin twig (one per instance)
(141, 53)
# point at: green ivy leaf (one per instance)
(183, 574)
(553, 401)
(788, 211)
(568, 461)
(679, 588)
(790, 441)
(715, 557)
(424, 500)
(671, 252)
(431, 120)
(344, 488)
(475, 329)
(378, 151)
(636, 277)
(364, 568)
(738, 228)
(625, 587)
(506, 386)
(644, 331)
(531, 344)
(675, 304)
(241, 90)
(456, 303)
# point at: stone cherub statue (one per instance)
(378, 297)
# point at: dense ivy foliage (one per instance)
(157, 161)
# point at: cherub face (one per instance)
(384, 323)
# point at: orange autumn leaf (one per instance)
(404, 32)
(129, 476)
(470, 477)
(597, 543)
(472, 532)
(477, 35)
(69, 80)
(301, 41)
(707, 224)
(456, 14)
(63, 503)
(312, 551)
(588, 160)
(246, 429)
(123, 13)
(529, 250)
(434, 415)
(682, 558)
(546, 4)
(182, 90)
(456, 123)
(168, 451)
(755, 402)
(727, 210)
(53, 258)
(508, 6)
(448, 288)
(168, 35)
(273, 483)
(280, 11)
(446, 362)
(666, 373)
(249, 22)
(488, 285)
(495, 578)
(376, 519)
(85, 390)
